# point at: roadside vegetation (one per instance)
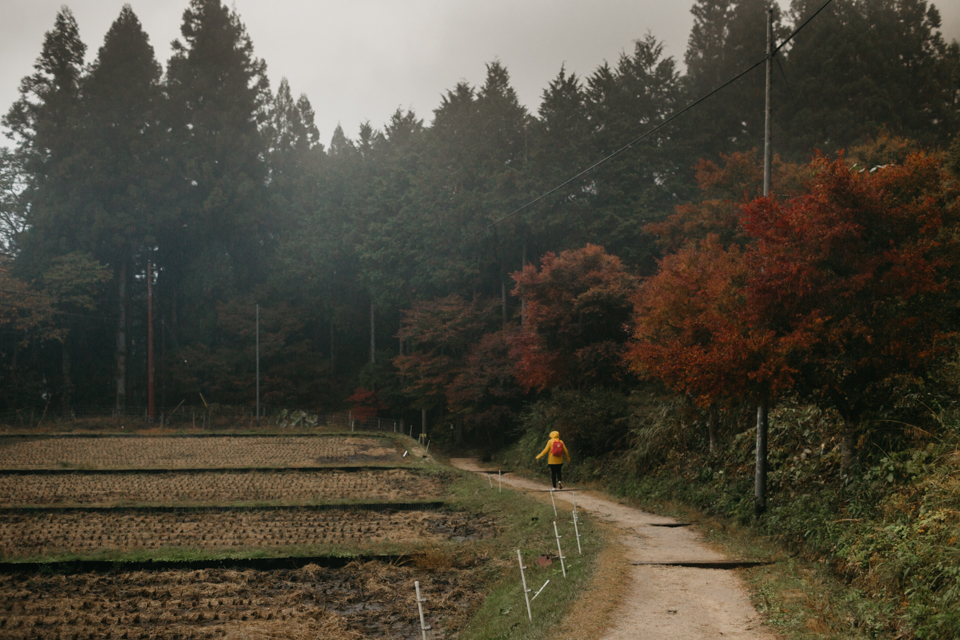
(870, 552)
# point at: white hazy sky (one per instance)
(359, 60)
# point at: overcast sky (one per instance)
(360, 60)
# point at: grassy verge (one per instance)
(527, 524)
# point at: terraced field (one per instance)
(361, 600)
(217, 488)
(288, 499)
(200, 452)
(89, 532)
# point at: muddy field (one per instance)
(85, 532)
(217, 488)
(212, 452)
(162, 497)
(369, 600)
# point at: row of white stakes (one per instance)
(563, 567)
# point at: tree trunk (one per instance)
(373, 335)
(67, 378)
(503, 298)
(121, 379)
(333, 361)
(712, 428)
(760, 486)
(848, 445)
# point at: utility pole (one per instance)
(767, 154)
(258, 364)
(760, 485)
(151, 409)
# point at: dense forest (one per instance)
(407, 271)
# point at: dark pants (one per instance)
(556, 474)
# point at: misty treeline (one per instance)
(381, 279)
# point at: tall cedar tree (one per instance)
(727, 37)
(560, 147)
(123, 209)
(218, 94)
(641, 185)
(866, 65)
(44, 121)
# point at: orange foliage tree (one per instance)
(838, 293)
(575, 330)
(875, 255)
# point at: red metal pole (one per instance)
(150, 407)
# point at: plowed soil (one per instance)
(24, 535)
(196, 452)
(217, 488)
(371, 600)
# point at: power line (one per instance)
(644, 135)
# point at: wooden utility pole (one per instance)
(151, 409)
(760, 486)
(373, 332)
(258, 364)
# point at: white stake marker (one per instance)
(526, 592)
(423, 625)
(559, 551)
(576, 530)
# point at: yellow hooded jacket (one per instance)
(552, 459)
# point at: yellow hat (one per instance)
(554, 434)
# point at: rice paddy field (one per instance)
(272, 536)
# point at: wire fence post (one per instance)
(559, 551)
(523, 579)
(576, 530)
(500, 480)
(490, 479)
(553, 502)
(420, 601)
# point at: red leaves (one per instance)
(849, 281)
(365, 404)
(577, 310)
(440, 334)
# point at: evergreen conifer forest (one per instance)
(655, 309)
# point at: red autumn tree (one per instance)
(440, 334)
(365, 404)
(875, 255)
(724, 187)
(578, 309)
(840, 292)
(700, 331)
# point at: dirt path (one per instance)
(664, 602)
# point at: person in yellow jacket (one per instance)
(555, 450)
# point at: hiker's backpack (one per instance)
(557, 448)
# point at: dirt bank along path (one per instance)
(664, 602)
